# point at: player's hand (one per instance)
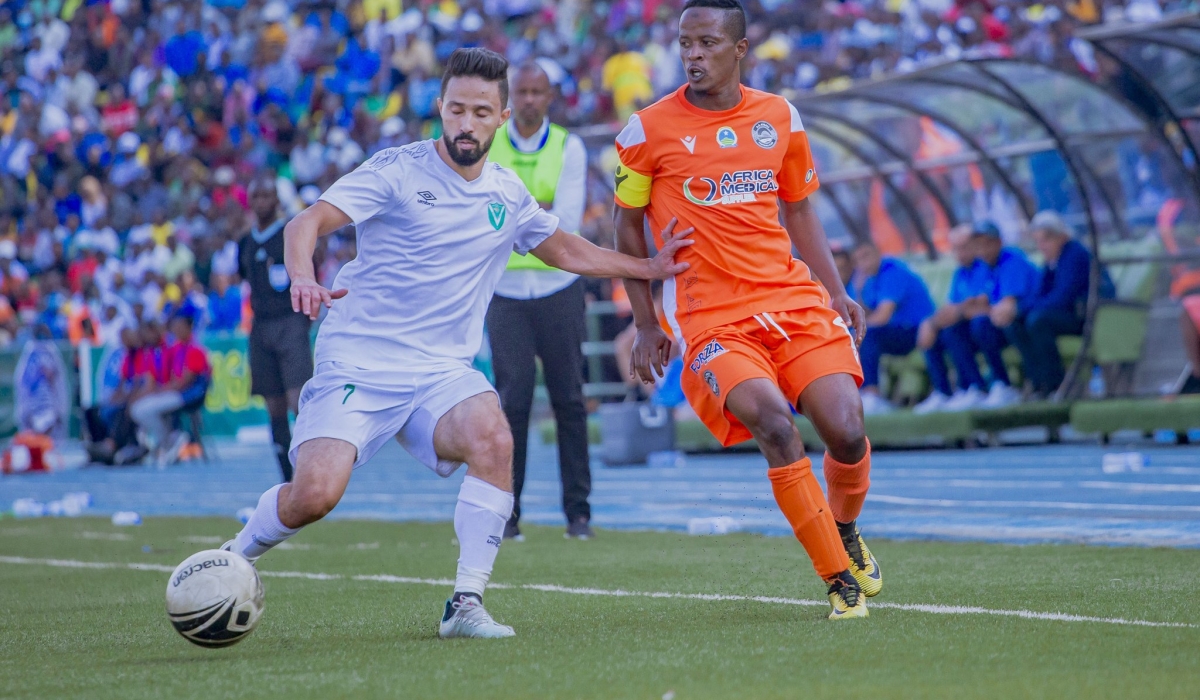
(651, 354)
(852, 314)
(308, 297)
(663, 265)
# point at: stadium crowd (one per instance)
(130, 128)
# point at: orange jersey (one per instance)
(722, 173)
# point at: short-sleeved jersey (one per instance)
(897, 283)
(722, 173)
(1012, 276)
(431, 248)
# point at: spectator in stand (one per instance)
(184, 380)
(224, 305)
(896, 301)
(1058, 305)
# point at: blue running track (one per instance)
(1015, 494)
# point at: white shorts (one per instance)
(367, 407)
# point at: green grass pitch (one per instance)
(103, 633)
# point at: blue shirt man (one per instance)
(1058, 304)
(896, 301)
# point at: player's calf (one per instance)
(323, 469)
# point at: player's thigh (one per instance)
(475, 425)
(715, 366)
(833, 405)
(359, 407)
(323, 468)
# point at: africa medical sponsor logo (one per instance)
(764, 135)
(726, 137)
(710, 351)
(734, 188)
(496, 214)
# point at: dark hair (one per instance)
(735, 15)
(478, 62)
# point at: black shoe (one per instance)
(512, 532)
(1191, 386)
(579, 529)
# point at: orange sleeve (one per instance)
(635, 167)
(798, 175)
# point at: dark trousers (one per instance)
(551, 328)
(962, 342)
(1036, 336)
(880, 341)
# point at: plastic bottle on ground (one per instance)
(126, 517)
(722, 525)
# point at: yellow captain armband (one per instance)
(631, 188)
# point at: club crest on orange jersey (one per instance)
(726, 137)
(764, 135)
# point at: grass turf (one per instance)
(99, 633)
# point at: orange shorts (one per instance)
(791, 348)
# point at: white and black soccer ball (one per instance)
(214, 598)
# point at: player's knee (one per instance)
(308, 505)
(848, 443)
(492, 448)
(776, 432)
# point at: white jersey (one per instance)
(431, 248)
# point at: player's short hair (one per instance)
(735, 15)
(477, 62)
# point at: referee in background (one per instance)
(280, 353)
(538, 310)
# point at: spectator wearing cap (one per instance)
(1058, 305)
(896, 301)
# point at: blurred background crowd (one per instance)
(129, 128)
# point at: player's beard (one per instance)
(464, 158)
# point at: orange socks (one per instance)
(847, 484)
(803, 504)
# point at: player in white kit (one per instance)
(435, 224)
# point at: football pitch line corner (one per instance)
(619, 593)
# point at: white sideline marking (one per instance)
(618, 593)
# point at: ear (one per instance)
(505, 114)
(741, 48)
(439, 105)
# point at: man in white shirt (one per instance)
(538, 311)
(435, 224)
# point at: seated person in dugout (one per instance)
(1058, 305)
(992, 283)
(896, 301)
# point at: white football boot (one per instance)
(228, 547)
(466, 617)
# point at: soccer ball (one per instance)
(214, 598)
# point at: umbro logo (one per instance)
(426, 197)
(689, 142)
(493, 540)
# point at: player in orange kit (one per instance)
(758, 334)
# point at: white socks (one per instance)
(479, 520)
(263, 530)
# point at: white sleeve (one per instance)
(570, 197)
(534, 224)
(365, 191)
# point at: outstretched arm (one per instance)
(808, 236)
(651, 347)
(299, 243)
(574, 254)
